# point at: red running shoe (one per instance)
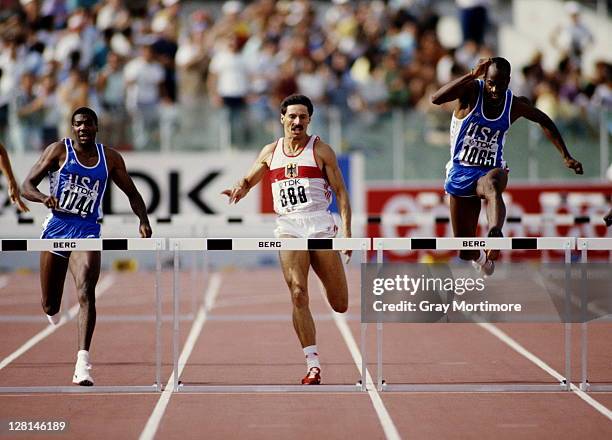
(313, 377)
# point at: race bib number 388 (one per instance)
(291, 193)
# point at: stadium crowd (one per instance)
(137, 62)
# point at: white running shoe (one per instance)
(82, 374)
(486, 269)
(54, 319)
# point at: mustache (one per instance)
(298, 126)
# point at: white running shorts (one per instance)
(306, 225)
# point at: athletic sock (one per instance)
(312, 357)
(83, 356)
(482, 259)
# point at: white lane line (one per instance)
(103, 286)
(103, 317)
(150, 429)
(389, 428)
(3, 281)
(516, 346)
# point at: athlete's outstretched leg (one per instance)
(328, 267)
(295, 265)
(464, 213)
(53, 269)
(85, 268)
(490, 187)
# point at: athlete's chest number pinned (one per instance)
(292, 196)
(475, 155)
(76, 203)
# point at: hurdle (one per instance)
(584, 245)
(531, 243)
(98, 244)
(260, 244)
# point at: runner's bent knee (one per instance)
(299, 294)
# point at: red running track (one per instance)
(247, 338)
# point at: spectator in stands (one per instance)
(72, 93)
(573, 37)
(474, 15)
(112, 14)
(111, 88)
(47, 93)
(144, 77)
(28, 113)
(228, 85)
(165, 27)
(191, 61)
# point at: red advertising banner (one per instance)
(587, 202)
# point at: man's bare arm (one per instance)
(13, 187)
(119, 175)
(522, 107)
(253, 177)
(463, 87)
(48, 161)
(334, 176)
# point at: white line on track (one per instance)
(150, 429)
(103, 286)
(103, 317)
(504, 337)
(389, 428)
(3, 281)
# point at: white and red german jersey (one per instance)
(298, 184)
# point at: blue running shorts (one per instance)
(60, 227)
(461, 181)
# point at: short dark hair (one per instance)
(84, 111)
(296, 100)
(502, 64)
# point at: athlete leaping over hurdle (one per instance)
(303, 171)
(483, 114)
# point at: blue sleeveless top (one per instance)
(477, 141)
(79, 189)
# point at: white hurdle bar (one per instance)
(566, 244)
(98, 244)
(261, 244)
(584, 245)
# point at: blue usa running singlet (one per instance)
(79, 189)
(477, 141)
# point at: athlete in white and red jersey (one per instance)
(301, 193)
(303, 171)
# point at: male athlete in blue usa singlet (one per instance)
(484, 110)
(79, 190)
(78, 173)
(477, 145)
